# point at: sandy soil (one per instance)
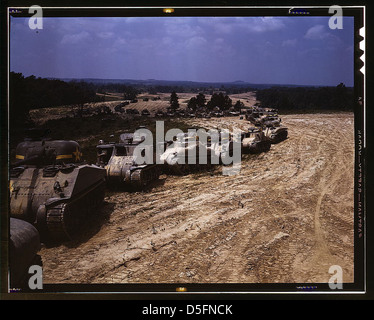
(286, 218)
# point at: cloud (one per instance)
(289, 43)
(195, 42)
(265, 24)
(182, 28)
(317, 32)
(105, 35)
(75, 38)
(232, 25)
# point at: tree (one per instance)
(219, 100)
(152, 90)
(31, 93)
(174, 104)
(238, 105)
(200, 100)
(192, 103)
(130, 93)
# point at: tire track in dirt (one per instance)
(329, 178)
(266, 224)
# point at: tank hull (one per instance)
(123, 171)
(276, 134)
(256, 147)
(56, 199)
(186, 160)
(120, 170)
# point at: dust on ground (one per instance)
(286, 218)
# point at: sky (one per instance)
(272, 50)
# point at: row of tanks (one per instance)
(177, 157)
(53, 191)
(268, 121)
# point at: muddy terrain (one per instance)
(285, 218)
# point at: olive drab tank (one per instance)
(254, 116)
(24, 244)
(124, 166)
(220, 144)
(255, 141)
(184, 155)
(52, 188)
(274, 130)
(268, 119)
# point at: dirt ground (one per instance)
(286, 218)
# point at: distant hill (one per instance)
(154, 82)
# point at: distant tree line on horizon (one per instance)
(26, 93)
(155, 89)
(307, 98)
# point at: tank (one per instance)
(274, 130)
(121, 165)
(254, 116)
(255, 141)
(181, 156)
(52, 188)
(24, 244)
(220, 144)
(271, 121)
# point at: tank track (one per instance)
(143, 176)
(262, 146)
(186, 169)
(65, 218)
(280, 136)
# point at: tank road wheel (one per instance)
(283, 136)
(137, 178)
(206, 167)
(256, 149)
(64, 220)
(280, 137)
(183, 169)
(266, 146)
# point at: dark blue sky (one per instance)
(284, 50)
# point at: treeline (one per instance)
(217, 100)
(154, 89)
(28, 93)
(308, 98)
